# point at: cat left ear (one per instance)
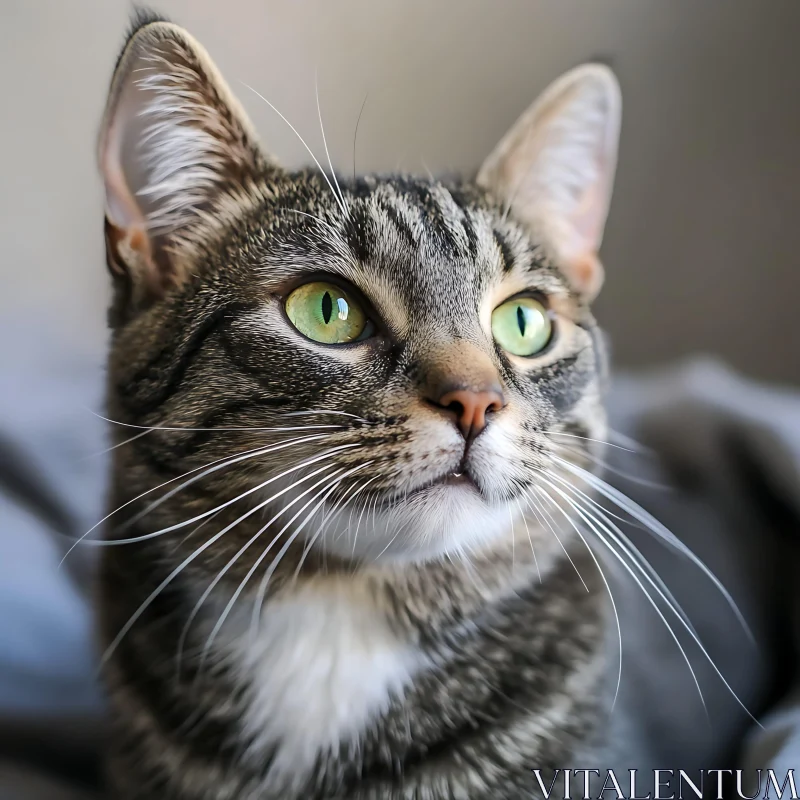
(555, 169)
(173, 141)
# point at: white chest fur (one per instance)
(324, 666)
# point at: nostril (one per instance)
(457, 407)
(470, 408)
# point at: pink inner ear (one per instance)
(589, 216)
(121, 206)
(586, 273)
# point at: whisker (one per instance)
(119, 444)
(353, 507)
(160, 486)
(652, 602)
(513, 538)
(303, 142)
(177, 546)
(253, 429)
(624, 543)
(346, 528)
(172, 492)
(325, 144)
(269, 449)
(605, 581)
(226, 611)
(262, 588)
(471, 571)
(590, 520)
(605, 465)
(608, 513)
(527, 530)
(188, 560)
(355, 134)
(529, 499)
(390, 542)
(351, 501)
(324, 411)
(358, 523)
(637, 512)
(627, 441)
(335, 232)
(321, 527)
(589, 439)
(227, 503)
(210, 588)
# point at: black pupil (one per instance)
(327, 307)
(521, 320)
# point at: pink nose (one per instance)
(470, 408)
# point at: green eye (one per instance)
(325, 313)
(521, 326)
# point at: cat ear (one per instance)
(174, 140)
(555, 169)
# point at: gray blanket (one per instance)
(728, 449)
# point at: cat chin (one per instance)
(442, 520)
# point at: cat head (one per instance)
(385, 365)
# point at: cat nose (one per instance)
(470, 407)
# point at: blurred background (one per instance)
(702, 242)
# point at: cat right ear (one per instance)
(555, 169)
(174, 141)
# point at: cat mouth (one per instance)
(454, 479)
(457, 479)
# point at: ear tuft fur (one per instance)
(174, 143)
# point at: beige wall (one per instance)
(702, 244)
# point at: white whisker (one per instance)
(325, 145)
(253, 429)
(358, 522)
(602, 515)
(119, 444)
(244, 457)
(262, 588)
(593, 523)
(328, 514)
(236, 499)
(589, 439)
(627, 441)
(335, 232)
(527, 530)
(143, 607)
(302, 141)
(234, 458)
(652, 602)
(513, 538)
(530, 499)
(353, 508)
(324, 411)
(637, 512)
(355, 134)
(241, 551)
(605, 465)
(391, 541)
(605, 581)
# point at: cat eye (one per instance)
(522, 326)
(327, 313)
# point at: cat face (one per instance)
(381, 366)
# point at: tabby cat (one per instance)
(353, 413)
